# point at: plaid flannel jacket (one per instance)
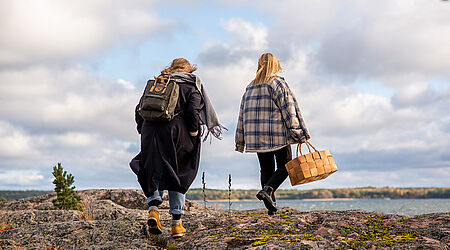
(269, 118)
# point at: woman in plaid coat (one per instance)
(269, 121)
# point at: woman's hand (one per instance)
(194, 133)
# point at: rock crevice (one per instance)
(119, 221)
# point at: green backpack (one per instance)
(159, 100)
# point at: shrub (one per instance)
(65, 194)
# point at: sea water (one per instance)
(407, 207)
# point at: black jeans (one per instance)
(269, 176)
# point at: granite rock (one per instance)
(119, 222)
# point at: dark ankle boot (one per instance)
(271, 212)
(266, 196)
(272, 195)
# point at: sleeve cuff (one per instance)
(240, 148)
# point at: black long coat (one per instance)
(169, 156)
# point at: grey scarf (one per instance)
(208, 116)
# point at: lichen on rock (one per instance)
(119, 221)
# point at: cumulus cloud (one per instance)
(54, 99)
(365, 38)
(416, 94)
(54, 110)
(14, 142)
(331, 53)
(59, 31)
(246, 40)
(51, 114)
(25, 178)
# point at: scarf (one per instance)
(208, 117)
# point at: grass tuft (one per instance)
(5, 222)
(86, 210)
(171, 246)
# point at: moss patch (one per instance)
(375, 233)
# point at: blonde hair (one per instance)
(179, 65)
(268, 67)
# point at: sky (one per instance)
(372, 79)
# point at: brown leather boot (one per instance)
(153, 222)
(177, 229)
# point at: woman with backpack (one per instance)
(170, 150)
(269, 121)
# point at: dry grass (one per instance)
(19, 248)
(2, 222)
(86, 210)
(5, 222)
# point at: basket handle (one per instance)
(308, 144)
(299, 149)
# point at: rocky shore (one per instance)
(116, 219)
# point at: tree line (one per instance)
(16, 194)
(292, 194)
(348, 193)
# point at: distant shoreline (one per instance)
(362, 193)
(365, 193)
(328, 199)
(319, 199)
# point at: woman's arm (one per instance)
(193, 107)
(286, 102)
(239, 137)
(138, 118)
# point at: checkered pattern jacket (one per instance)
(269, 118)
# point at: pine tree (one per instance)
(65, 194)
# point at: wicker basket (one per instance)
(310, 167)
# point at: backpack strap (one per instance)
(165, 87)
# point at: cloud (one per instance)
(61, 100)
(246, 40)
(416, 94)
(334, 55)
(52, 110)
(54, 114)
(14, 142)
(245, 35)
(22, 178)
(52, 31)
(126, 84)
(365, 38)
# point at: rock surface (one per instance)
(119, 222)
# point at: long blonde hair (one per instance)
(179, 65)
(268, 67)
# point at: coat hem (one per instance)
(268, 149)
